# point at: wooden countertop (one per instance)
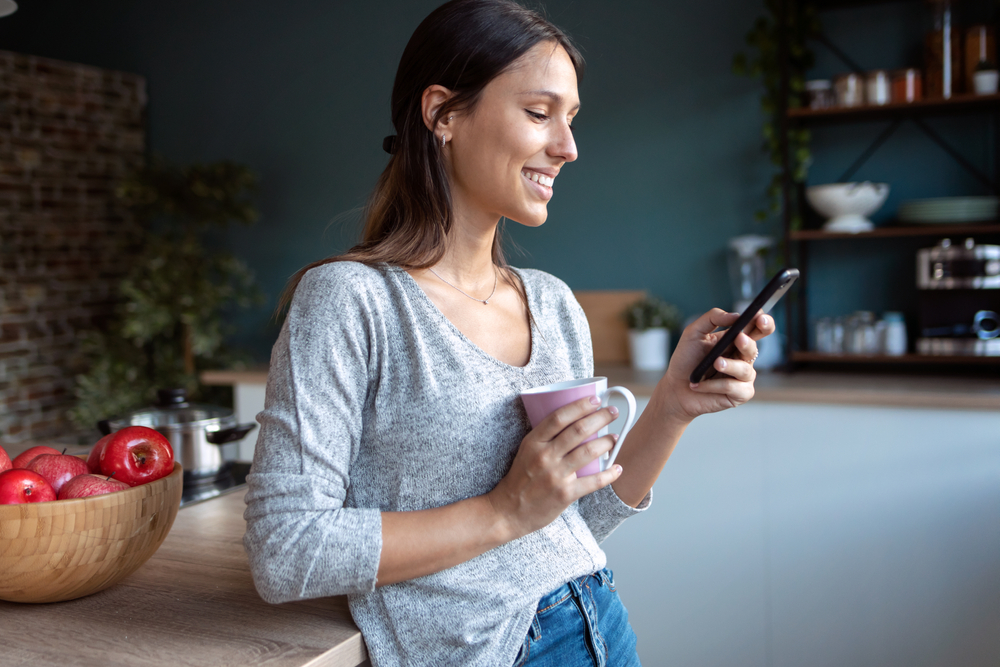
(813, 387)
(192, 603)
(837, 388)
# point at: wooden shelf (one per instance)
(898, 232)
(957, 104)
(842, 4)
(906, 359)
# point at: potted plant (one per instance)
(799, 22)
(650, 320)
(179, 293)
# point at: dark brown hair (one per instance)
(462, 45)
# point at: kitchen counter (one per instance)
(192, 603)
(842, 388)
(837, 388)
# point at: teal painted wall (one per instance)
(670, 164)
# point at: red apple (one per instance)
(57, 469)
(94, 460)
(5, 463)
(86, 484)
(137, 455)
(24, 486)
(24, 458)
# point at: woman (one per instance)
(395, 463)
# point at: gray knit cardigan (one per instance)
(377, 402)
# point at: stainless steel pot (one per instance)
(195, 430)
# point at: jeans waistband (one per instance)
(603, 576)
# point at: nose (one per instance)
(563, 145)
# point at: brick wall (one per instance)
(67, 133)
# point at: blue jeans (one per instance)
(582, 623)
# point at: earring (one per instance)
(442, 141)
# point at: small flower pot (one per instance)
(649, 349)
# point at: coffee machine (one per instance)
(959, 299)
(747, 259)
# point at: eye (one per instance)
(536, 115)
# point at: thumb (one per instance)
(712, 320)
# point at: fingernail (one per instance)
(614, 437)
(594, 400)
(694, 385)
(722, 363)
(618, 468)
(613, 410)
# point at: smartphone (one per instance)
(763, 303)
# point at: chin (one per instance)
(533, 219)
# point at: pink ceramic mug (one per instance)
(540, 402)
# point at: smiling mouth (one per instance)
(541, 179)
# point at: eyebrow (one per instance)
(555, 97)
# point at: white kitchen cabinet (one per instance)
(789, 534)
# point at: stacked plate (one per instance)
(945, 210)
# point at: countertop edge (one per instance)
(806, 387)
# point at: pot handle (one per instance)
(233, 434)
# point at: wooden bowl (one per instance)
(66, 549)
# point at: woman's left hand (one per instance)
(685, 400)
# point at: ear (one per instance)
(431, 101)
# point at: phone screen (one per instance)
(762, 303)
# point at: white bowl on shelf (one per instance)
(847, 205)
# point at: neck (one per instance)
(468, 255)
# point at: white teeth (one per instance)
(538, 178)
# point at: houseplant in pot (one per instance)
(179, 294)
(650, 320)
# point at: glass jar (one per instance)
(824, 335)
(850, 90)
(894, 336)
(878, 88)
(819, 94)
(942, 52)
(861, 336)
(980, 47)
(837, 336)
(907, 86)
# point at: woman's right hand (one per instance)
(542, 480)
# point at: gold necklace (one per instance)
(483, 301)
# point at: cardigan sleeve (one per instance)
(603, 511)
(301, 540)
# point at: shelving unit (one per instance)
(955, 105)
(798, 241)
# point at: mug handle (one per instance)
(629, 418)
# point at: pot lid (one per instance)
(173, 409)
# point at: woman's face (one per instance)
(503, 157)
